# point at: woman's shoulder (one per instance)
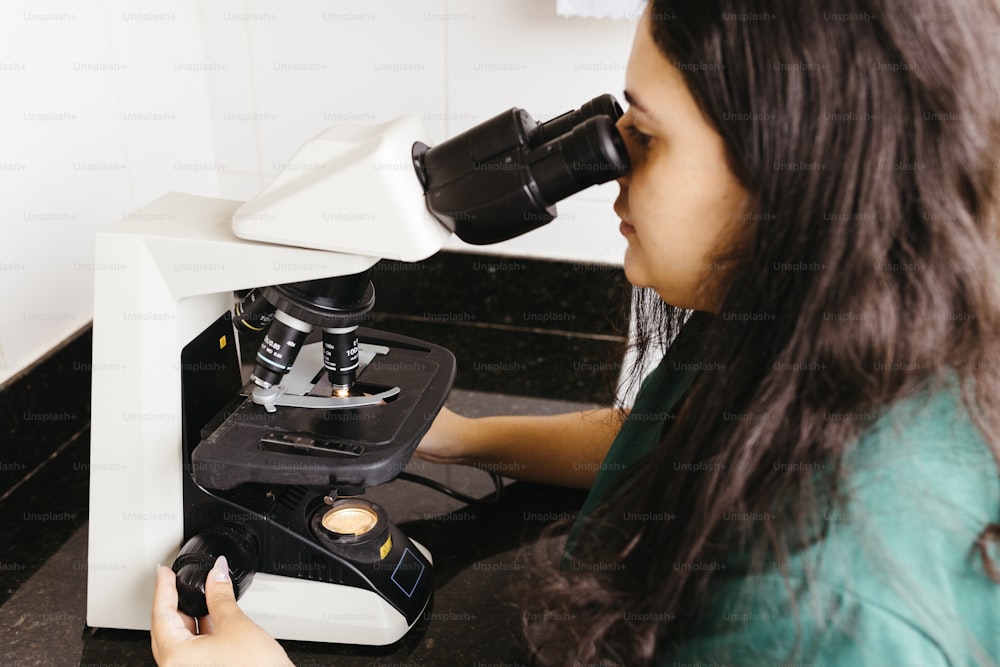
(923, 460)
(896, 577)
(918, 489)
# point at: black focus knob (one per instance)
(198, 555)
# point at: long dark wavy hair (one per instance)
(867, 133)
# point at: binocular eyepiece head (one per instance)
(503, 177)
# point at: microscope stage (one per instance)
(356, 447)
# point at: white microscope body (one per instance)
(163, 275)
(164, 285)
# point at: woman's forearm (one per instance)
(565, 449)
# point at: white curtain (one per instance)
(601, 9)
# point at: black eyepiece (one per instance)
(503, 177)
(591, 153)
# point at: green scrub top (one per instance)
(897, 580)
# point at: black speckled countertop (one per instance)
(531, 337)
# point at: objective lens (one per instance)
(340, 357)
(253, 314)
(280, 347)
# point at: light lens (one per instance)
(351, 520)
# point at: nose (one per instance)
(620, 125)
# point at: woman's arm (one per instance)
(566, 449)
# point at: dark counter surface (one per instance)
(517, 326)
(485, 556)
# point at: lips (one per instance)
(619, 207)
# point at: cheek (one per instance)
(650, 203)
(661, 210)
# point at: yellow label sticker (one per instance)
(222, 343)
(385, 548)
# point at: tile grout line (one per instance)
(508, 327)
(49, 458)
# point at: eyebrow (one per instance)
(634, 102)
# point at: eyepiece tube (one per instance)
(602, 105)
(591, 154)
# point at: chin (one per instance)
(633, 275)
(634, 270)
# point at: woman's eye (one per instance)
(640, 137)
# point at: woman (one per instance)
(810, 474)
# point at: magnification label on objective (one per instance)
(408, 572)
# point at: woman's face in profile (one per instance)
(681, 207)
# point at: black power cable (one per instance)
(491, 499)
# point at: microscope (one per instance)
(197, 452)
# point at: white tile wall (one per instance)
(163, 97)
(106, 105)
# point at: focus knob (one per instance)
(197, 557)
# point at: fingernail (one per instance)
(221, 570)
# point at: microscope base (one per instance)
(301, 610)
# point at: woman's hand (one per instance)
(225, 637)
(444, 442)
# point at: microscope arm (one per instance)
(357, 189)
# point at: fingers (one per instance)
(165, 594)
(168, 626)
(220, 596)
(227, 635)
(205, 625)
(165, 614)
